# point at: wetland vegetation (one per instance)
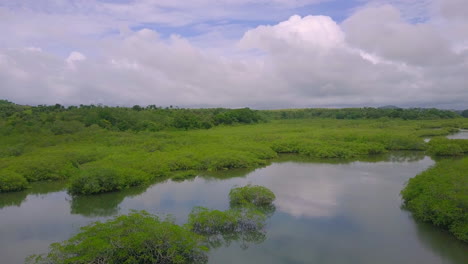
(91, 150)
(439, 195)
(322, 207)
(101, 149)
(140, 237)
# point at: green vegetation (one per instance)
(184, 175)
(98, 180)
(12, 181)
(60, 120)
(44, 167)
(251, 195)
(97, 160)
(100, 149)
(448, 147)
(243, 222)
(69, 120)
(220, 228)
(135, 238)
(464, 113)
(440, 195)
(140, 237)
(363, 113)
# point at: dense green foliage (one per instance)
(251, 195)
(244, 222)
(440, 195)
(102, 149)
(363, 113)
(464, 113)
(184, 175)
(98, 180)
(135, 238)
(61, 120)
(68, 120)
(12, 181)
(244, 225)
(448, 147)
(44, 167)
(140, 237)
(96, 159)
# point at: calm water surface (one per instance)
(335, 212)
(463, 134)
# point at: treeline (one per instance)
(67, 120)
(363, 113)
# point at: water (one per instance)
(462, 134)
(326, 212)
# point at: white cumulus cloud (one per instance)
(374, 57)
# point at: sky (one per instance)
(263, 54)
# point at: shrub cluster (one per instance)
(99, 180)
(184, 175)
(11, 181)
(138, 158)
(44, 167)
(447, 147)
(219, 228)
(335, 149)
(251, 195)
(230, 160)
(140, 237)
(244, 222)
(439, 195)
(135, 238)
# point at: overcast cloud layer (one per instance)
(235, 53)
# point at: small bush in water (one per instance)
(251, 195)
(245, 225)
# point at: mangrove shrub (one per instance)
(142, 238)
(12, 181)
(251, 195)
(99, 180)
(442, 146)
(439, 195)
(135, 238)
